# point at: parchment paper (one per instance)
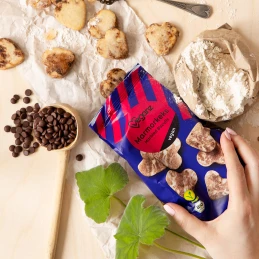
(80, 88)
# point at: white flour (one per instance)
(222, 88)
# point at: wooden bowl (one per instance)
(73, 112)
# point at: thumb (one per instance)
(187, 221)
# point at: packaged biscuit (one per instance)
(177, 156)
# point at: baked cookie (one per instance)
(217, 186)
(150, 167)
(114, 77)
(169, 156)
(58, 62)
(201, 139)
(103, 21)
(71, 13)
(208, 158)
(162, 38)
(10, 54)
(113, 45)
(39, 4)
(181, 182)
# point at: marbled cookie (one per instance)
(10, 54)
(58, 62)
(162, 38)
(113, 45)
(103, 21)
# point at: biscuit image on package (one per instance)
(182, 182)
(208, 158)
(169, 156)
(217, 186)
(150, 167)
(201, 139)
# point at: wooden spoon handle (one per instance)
(64, 157)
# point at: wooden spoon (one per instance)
(61, 178)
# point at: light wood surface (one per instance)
(28, 184)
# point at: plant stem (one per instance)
(184, 238)
(177, 252)
(120, 201)
(170, 231)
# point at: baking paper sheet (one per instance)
(80, 88)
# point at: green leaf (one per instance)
(139, 225)
(97, 186)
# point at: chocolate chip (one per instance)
(26, 100)
(23, 116)
(49, 147)
(26, 124)
(29, 109)
(79, 157)
(50, 118)
(17, 135)
(42, 123)
(24, 134)
(12, 147)
(28, 92)
(67, 115)
(18, 142)
(17, 122)
(26, 145)
(60, 111)
(18, 130)
(13, 101)
(18, 149)
(36, 145)
(16, 97)
(40, 129)
(31, 150)
(14, 116)
(36, 106)
(69, 122)
(7, 128)
(15, 154)
(26, 152)
(23, 110)
(29, 118)
(13, 129)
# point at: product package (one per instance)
(177, 156)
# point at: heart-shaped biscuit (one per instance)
(103, 21)
(208, 158)
(114, 77)
(71, 13)
(150, 167)
(113, 45)
(58, 62)
(217, 186)
(182, 182)
(169, 156)
(10, 54)
(201, 139)
(162, 38)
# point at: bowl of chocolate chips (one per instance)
(57, 127)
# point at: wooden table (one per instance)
(75, 239)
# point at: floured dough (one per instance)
(103, 21)
(58, 61)
(210, 83)
(10, 54)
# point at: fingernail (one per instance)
(169, 209)
(227, 134)
(231, 132)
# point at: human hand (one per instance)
(235, 233)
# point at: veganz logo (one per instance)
(135, 121)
